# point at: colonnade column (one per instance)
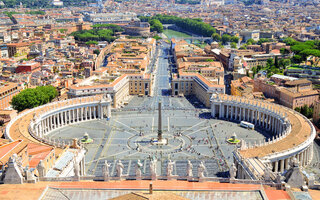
(70, 118)
(236, 116)
(286, 164)
(227, 114)
(281, 165)
(81, 113)
(58, 120)
(100, 111)
(108, 111)
(276, 166)
(65, 118)
(213, 110)
(252, 116)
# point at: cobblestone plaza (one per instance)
(192, 135)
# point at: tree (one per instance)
(33, 97)
(269, 62)
(191, 25)
(157, 37)
(283, 63)
(96, 51)
(243, 46)
(156, 25)
(300, 47)
(233, 45)
(234, 39)
(305, 110)
(276, 62)
(225, 38)
(263, 40)
(209, 60)
(91, 42)
(297, 59)
(284, 51)
(250, 41)
(95, 35)
(113, 27)
(216, 37)
(290, 41)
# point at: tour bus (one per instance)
(246, 125)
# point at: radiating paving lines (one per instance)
(106, 140)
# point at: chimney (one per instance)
(150, 188)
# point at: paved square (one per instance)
(191, 133)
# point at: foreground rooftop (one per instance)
(41, 190)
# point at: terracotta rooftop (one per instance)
(34, 191)
(7, 148)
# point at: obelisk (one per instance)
(159, 123)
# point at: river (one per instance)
(174, 34)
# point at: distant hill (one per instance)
(43, 3)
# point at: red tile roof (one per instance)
(7, 148)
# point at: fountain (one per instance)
(233, 139)
(86, 139)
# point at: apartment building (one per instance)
(7, 91)
(197, 85)
(18, 49)
(119, 89)
(242, 87)
(288, 91)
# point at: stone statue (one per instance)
(266, 174)
(34, 117)
(201, 169)
(153, 167)
(105, 169)
(233, 171)
(41, 169)
(295, 162)
(76, 170)
(119, 169)
(13, 173)
(29, 176)
(279, 177)
(170, 168)
(75, 143)
(138, 170)
(189, 169)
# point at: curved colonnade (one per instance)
(33, 125)
(292, 134)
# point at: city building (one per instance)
(242, 87)
(197, 85)
(119, 89)
(137, 28)
(7, 91)
(316, 112)
(28, 67)
(287, 91)
(18, 49)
